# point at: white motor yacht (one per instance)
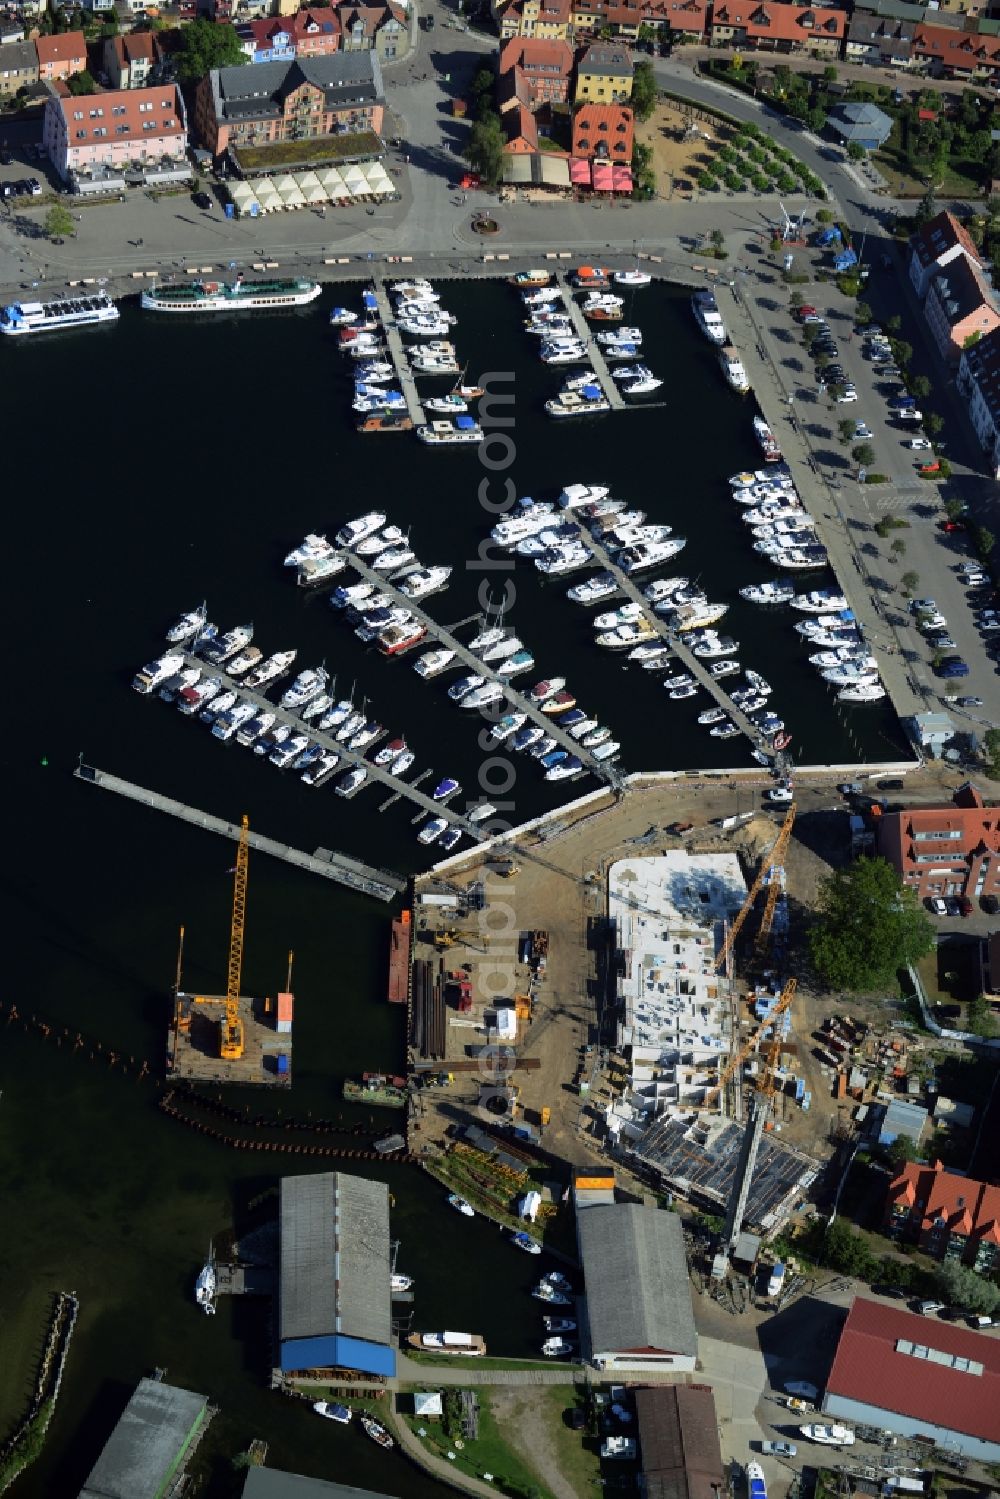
(356, 530)
(862, 692)
(708, 317)
(781, 591)
(431, 663)
(592, 590)
(820, 601)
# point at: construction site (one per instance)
(613, 989)
(231, 1037)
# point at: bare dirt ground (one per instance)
(524, 1421)
(676, 160)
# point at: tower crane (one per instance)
(231, 1041)
(739, 1057)
(775, 856)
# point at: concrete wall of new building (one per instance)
(871, 1415)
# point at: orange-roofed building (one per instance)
(286, 1008)
(603, 132)
(521, 131)
(779, 27)
(546, 64)
(948, 1216)
(942, 240)
(940, 851)
(535, 18)
(957, 54)
(60, 56)
(113, 129)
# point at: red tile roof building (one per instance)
(130, 58)
(909, 1375)
(309, 33)
(114, 128)
(940, 851)
(942, 240)
(60, 56)
(779, 27)
(546, 66)
(678, 17)
(603, 132)
(521, 131)
(957, 54)
(949, 1216)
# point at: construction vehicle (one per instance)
(776, 856)
(448, 938)
(545, 1116)
(231, 1041)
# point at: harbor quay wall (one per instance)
(640, 780)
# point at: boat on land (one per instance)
(206, 1286)
(376, 1431)
(20, 318)
(230, 296)
(828, 1436)
(332, 1411)
(756, 1485)
(461, 1344)
(378, 1090)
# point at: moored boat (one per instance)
(235, 296)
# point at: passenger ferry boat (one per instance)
(19, 318)
(234, 296)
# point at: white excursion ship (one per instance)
(708, 317)
(230, 296)
(18, 318)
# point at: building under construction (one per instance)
(231, 1037)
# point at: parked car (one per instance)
(937, 905)
(926, 1307)
(785, 1449)
(953, 666)
(847, 395)
(941, 642)
(851, 788)
(202, 200)
(964, 905)
(918, 444)
(923, 606)
(909, 414)
(990, 904)
(969, 702)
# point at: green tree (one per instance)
(824, 216)
(846, 429)
(979, 1018)
(856, 151)
(895, 324)
(206, 45)
(816, 118)
(830, 74)
(991, 748)
(867, 927)
(863, 314)
(964, 1288)
(717, 239)
(909, 582)
(920, 386)
(863, 455)
(110, 26)
(482, 84)
(644, 91)
(902, 1150)
(933, 423)
(484, 151)
(903, 352)
(796, 299)
(983, 541)
(59, 223)
(82, 83)
(954, 509)
(847, 1251)
(927, 209)
(898, 549)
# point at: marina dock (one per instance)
(598, 363)
(675, 641)
(397, 354)
(331, 866)
(349, 758)
(444, 637)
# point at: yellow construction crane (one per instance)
(231, 1041)
(740, 1056)
(776, 855)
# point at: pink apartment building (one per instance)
(113, 129)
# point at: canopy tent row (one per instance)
(307, 188)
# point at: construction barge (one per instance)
(400, 943)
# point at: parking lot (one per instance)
(898, 526)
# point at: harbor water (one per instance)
(156, 463)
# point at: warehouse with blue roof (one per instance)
(335, 1307)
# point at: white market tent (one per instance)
(267, 195)
(293, 197)
(355, 181)
(310, 185)
(379, 181)
(333, 182)
(285, 183)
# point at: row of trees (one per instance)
(849, 1252)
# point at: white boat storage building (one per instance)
(638, 1313)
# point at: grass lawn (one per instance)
(311, 151)
(489, 1453)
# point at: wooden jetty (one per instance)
(331, 866)
(397, 354)
(598, 363)
(481, 668)
(349, 758)
(675, 640)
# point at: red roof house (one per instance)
(546, 65)
(779, 27)
(60, 56)
(945, 1214)
(521, 131)
(957, 54)
(603, 132)
(903, 1372)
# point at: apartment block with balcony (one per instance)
(949, 1217)
(114, 130)
(979, 382)
(942, 851)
